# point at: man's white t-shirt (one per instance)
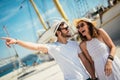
(66, 56)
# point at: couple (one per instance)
(76, 63)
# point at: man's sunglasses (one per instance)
(80, 25)
(66, 28)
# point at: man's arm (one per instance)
(28, 45)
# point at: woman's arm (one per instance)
(89, 64)
(110, 44)
(108, 41)
(28, 45)
(85, 52)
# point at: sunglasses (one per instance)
(66, 28)
(80, 25)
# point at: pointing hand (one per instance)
(9, 40)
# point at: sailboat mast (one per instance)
(16, 54)
(9, 36)
(59, 7)
(38, 14)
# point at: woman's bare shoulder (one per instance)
(102, 31)
(83, 44)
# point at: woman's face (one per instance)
(83, 28)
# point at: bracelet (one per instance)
(111, 57)
(16, 41)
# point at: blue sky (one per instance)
(22, 23)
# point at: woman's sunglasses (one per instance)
(80, 25)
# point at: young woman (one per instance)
(99, 49)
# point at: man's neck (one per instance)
(62, 40)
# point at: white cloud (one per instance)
(8, 14)
(50, 11)
(28, 24)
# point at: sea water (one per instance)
(26, 62)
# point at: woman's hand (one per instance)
(108, 67)
(9, 41)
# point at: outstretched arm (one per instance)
(28, 45)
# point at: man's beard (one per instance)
(66, 35)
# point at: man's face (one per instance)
(65, 31)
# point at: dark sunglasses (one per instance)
(80, 25)
(66, 28)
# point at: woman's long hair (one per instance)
(92, 30)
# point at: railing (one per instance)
(7, 60)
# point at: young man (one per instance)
(65, 52)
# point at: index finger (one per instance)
(4, 38)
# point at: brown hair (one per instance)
(61, 24)
(92, 30)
